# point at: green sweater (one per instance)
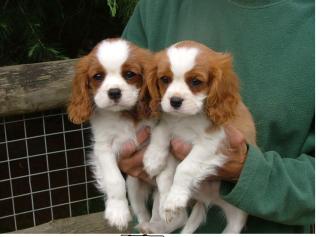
(272, 42)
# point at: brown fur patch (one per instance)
(84, 87)
(215, 72)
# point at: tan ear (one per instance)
(223, 96)
(143, 108)
(153, 89)
(80, 105)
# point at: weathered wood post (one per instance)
(35, 87)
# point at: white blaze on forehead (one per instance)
(182, 59)
(112, 54)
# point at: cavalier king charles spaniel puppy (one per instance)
(195, 92)
(110, 90)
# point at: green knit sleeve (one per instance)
(275, 188)
(134, 30)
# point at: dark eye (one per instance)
(195, 81)
(98, 77)
(165, 79)
(128, 75)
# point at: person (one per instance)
(272, 42)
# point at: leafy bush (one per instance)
(43, 30)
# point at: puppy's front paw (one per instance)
(174, 205)
(154, 161)
(162, 202)
(117, 213)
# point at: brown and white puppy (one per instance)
(109, 89)
(196, 92)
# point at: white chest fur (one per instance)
(112, 129)
(194, 130)
(177, 183)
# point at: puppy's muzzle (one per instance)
(176, 102)
(114, 93)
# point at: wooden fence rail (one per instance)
(35, 87)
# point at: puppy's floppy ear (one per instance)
(153, 88)
(143, 108)
(80, 105)
(223, 96)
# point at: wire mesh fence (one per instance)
(44, 172)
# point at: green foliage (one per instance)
(122, 8)
(113, 6)
(43, 30)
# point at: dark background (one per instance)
(44, 172)
(44, 30)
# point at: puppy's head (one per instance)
(109, 78)
(188, 78)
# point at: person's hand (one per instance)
(179, 148)
(234, 148)
(131, 156)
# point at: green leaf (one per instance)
(112, 6)
(32, 50)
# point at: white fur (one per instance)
(182, 60)
(112, 55)
(155, 157)
(136, 191)
(110, 130)
(178, 183)
(197, 217)
(156, 225)
(184, 182)
(192, 104)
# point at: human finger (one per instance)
(180, 149)
(133, 162)
(127, 149)
(143, 134)
(234, 136)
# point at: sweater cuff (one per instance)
(234, 193)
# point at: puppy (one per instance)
(195, 91)
(109, 89)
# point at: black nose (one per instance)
(176, 102)
(114, 93)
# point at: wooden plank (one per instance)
(35, 87)
(92, 223)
